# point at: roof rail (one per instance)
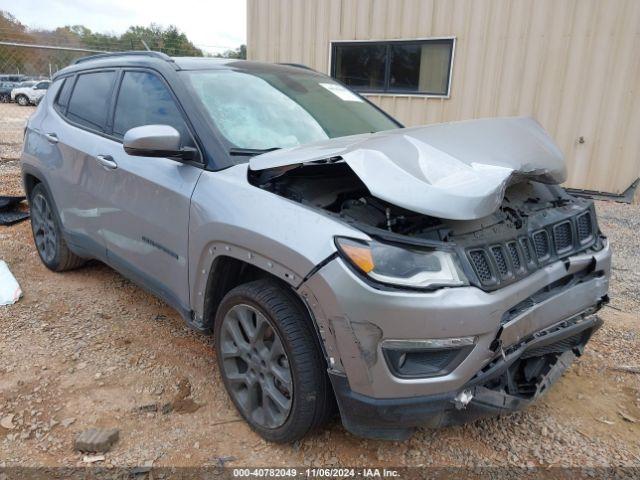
(141, 53)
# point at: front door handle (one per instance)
(107, 161)
(51, 137)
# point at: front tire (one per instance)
(47, 234)
(22, 100)
(270, 361)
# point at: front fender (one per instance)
(230, 217)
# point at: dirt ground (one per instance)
(89, 348)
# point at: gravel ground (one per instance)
(12, 118)
(89, 348)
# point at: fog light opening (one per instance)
(426, 358)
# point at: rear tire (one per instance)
(253, 321)
(22, 100)
(47, 233)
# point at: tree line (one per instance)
(169, 40)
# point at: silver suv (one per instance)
(412, 276)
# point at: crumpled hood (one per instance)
(456, 170)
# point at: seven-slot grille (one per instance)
(503, 262)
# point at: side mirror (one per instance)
(156, 141)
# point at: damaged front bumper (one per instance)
(525, 335)
(394, 419)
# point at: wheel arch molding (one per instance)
(224, 266)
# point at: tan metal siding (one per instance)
(572, 64)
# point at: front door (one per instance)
(147, 233)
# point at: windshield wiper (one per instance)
(250, 152)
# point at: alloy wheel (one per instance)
(43, 228)
(256, 366)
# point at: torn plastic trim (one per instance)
(581, 322)
(357, 346)
(456, 171)
(502, 401)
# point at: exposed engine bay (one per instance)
(536, 223)
(336, 189)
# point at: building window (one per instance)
(417, 67)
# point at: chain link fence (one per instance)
(25, 71)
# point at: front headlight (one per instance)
(402, 266)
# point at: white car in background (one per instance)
(30, 93)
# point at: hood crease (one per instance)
(458, 170)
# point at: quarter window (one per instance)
(145, 100)
(406, 67)
(65, 92)
(90, 99)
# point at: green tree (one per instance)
(169, 40)
(239, 53)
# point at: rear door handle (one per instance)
(107, 161)
(51, 137)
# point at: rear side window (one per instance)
(65, 93)
(90, 99)
(145, 100)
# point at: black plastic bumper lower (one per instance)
(395, 418)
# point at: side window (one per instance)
(90, 99)
(65, 92)
(42, 86)
(145, 100)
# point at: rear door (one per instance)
(74, 137)
(146, 232)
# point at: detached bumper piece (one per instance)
(510, 382)
(11, 211)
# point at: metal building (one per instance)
(574, 65)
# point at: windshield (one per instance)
(27, 84)
(276, 108)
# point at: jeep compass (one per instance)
(420, 276)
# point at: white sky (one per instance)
(213, 25)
